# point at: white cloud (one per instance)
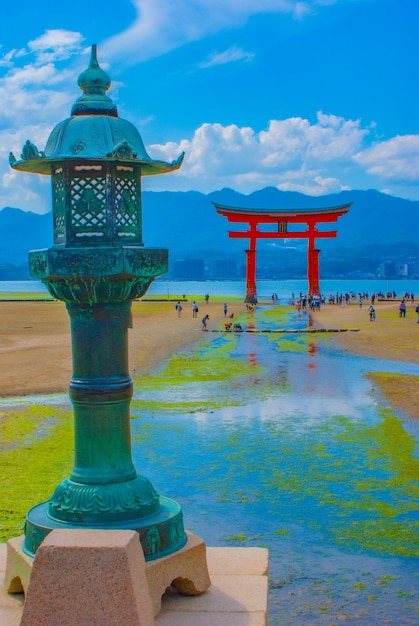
(25, 191)
(327, 156)
(295, 138)
(39, 86)
(318, 186)
(35, 94)
(21, 103)
(56, 45)
(301, 9)
(228, 56)
(396, 158)
(7, 59)
(163, 25)
(292, 154)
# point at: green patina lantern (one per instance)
(97, 266)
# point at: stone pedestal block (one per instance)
(88, 578)
(186, 570)
(237, 597)
(18, 566)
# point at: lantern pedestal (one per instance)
(185, 570)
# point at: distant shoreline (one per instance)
(285, 289)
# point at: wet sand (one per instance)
(35, 350)
(388, 337)
(35, 347)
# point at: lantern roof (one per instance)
(93, 132)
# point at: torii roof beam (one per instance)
(305, 234)
(268, 216)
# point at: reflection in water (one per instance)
(312, 348)
(300, 458)
(252, 358)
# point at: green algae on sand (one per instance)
(36, 454)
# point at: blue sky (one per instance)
(314, 96)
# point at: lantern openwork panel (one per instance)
(97, 203)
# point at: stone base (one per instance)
(88, 577)
(237, 596)
(18, 566)
(185, 570)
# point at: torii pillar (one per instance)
(313, 253)
(250, 275)
(251, 265)
(313, 271)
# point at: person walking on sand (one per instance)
(178, 308)
(225, 309)
(417, 312)
(204, 322)
(194, 309)
(402, 308)
(371, 311)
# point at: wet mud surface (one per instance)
(280, 441)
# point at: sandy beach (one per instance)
(35, 347)
(389, 337)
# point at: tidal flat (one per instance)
(265, 439)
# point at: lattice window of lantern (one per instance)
(127, 216)
(88, 206)
(58, 195)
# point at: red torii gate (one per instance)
(282, 218)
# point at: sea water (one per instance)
(285, 289)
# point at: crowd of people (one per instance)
(313, 303)
(304, 302)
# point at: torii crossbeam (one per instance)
(282, 219)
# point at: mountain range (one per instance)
(187, 224)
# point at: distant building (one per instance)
(188, 269)
(386, 269)
(224, 269)
(392, 269)
(402, 270)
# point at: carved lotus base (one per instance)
(91, 504)
(160, 534)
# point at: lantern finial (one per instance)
(94, 83)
